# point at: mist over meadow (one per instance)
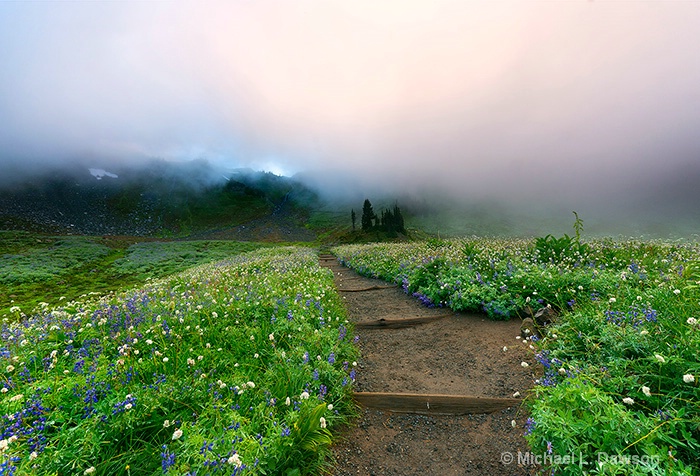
(514, 112)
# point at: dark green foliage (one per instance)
(390, 221)
(367, 215)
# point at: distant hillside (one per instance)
(159, 199)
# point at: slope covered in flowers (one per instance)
(618, 392)
(238, 367)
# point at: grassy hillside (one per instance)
(160, 199)
(36, 268)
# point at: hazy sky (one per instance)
(533, 97)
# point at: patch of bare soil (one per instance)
(458, 354)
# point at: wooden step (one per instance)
(433, 404)
(371, 288)
(399, 323)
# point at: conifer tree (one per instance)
(367, 215)
(353, 217)
(398, 220)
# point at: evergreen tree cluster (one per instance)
(390, 221)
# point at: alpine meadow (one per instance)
(332, 238)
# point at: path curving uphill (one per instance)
(435, 387)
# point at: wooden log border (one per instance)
(433, 404)
(398, 323)
(371, 288)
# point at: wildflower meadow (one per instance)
(242, 366)
(618, 391)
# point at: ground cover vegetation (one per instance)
(242, 366)
(618, 392)
(39, 268)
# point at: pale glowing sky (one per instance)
(582, 96)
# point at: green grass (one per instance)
(242, 366)
(36, 268)
(619, 369)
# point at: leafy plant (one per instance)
(554, 249)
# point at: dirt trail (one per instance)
(459, 354)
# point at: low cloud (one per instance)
(543, 104)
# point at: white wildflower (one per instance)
(177, 434)
(271, 337)
(505, 348)
(628, 401)
(330, 406)
(190, 361)
(646, 391)
(250, 384)
(166, 423)
(17, 397)
(90, 470)
(33, 455)
(304, 395)
(513, 423)
(10, 368)
(660, 358)
(165, 359)
(524, 364)
(692, 321)
(235, 460)
(612, 300)
(323, 422)
(676, 292)
(688, 378)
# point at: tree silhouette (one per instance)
(367, 215)
(391, 221)
(353, 217)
